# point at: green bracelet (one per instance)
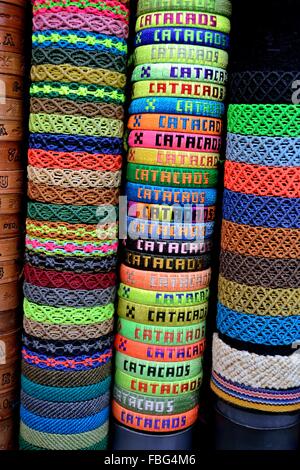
(164, 316)
(264, 119)
(163, 299)
(147, 387)
(155, 406)
(161, 176)
(164, 371)
(162, 335)
(220, 7)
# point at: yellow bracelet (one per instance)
(173, 158)
(178, 89)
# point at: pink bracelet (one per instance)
(174, 141)
(91, 10)
(32, 243)
(81, 21)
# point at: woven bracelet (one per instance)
(102, 445)
(169, 122)
(182, 53)
(66, 72)
(168, 314)
(264, 211)
(74, 143)
(179, 72)
(255, 271)
(166, 263)
(67, 332)
(260, 329)
(56, 56)
(163, 335)
(78, 92)
(72, 196)
(79, 46)
(152, 388)
(184, 19)
(255, 300)
(139, 228)
(177, 214)
(67, 315)
(172, 158)
(262, 180)
(50, 409)
(109, 9)
(264, 119)
(57, 297)
(74, 160)
(152, 405)
(65, 178)
(158, 175)
(267, 151)
(163, 300)
(192, 36)
(80, 21)
(262, 86)
(160, 372)
(177, 106)
(221, 7)
(71, 263)
(66, 247)
(71, 214)
(260, 241)
(178, 196)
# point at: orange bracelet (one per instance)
(153, 423)
(165, 282)
(176, 123)
(159, 353)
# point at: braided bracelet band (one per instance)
(255, 300)
(117, 11)
(170, 122)
(71, 214)
(267, 120)
(262, 180)
(179, 89)
(171, 158)
(160, 372)
(221, 7)
(179, 71)
(152, 405)
(182, 53)
(158, 175)
(66, 247)
(259, 241)
(259, 329)
(177, 106)
(175, 141)
(153, 423)
(177, 214)
(152, 388)
(162, 300)
(139, 228)
(148, 334)
(184, 18)
(166, 263)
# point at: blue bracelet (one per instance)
(65, 394)
(138, 228)
(267, 330)
(195, 36)
(201, 73)
(63, 426)
(79, 46)
(262, 211)
(177, 106)
(265, 151)
(76, 143)
(161, 195)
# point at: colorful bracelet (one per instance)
(65, 247)
(177, 214)
(131, 295)
(184, 18)
(221, 7)
(160, 195)
(178, 247)
(154, 423)
(172, 158)
(152, 388)
(182, 53)
(72, 214)
(179, 89)
(158, 175)
(153, 405)
(109, 9)
(171, 122)
(177, 106)
(179, 71)
(166, 263)
(160, 372)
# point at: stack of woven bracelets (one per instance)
(78, 77)
(175, 128)
(256, 364)
(12, 16)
